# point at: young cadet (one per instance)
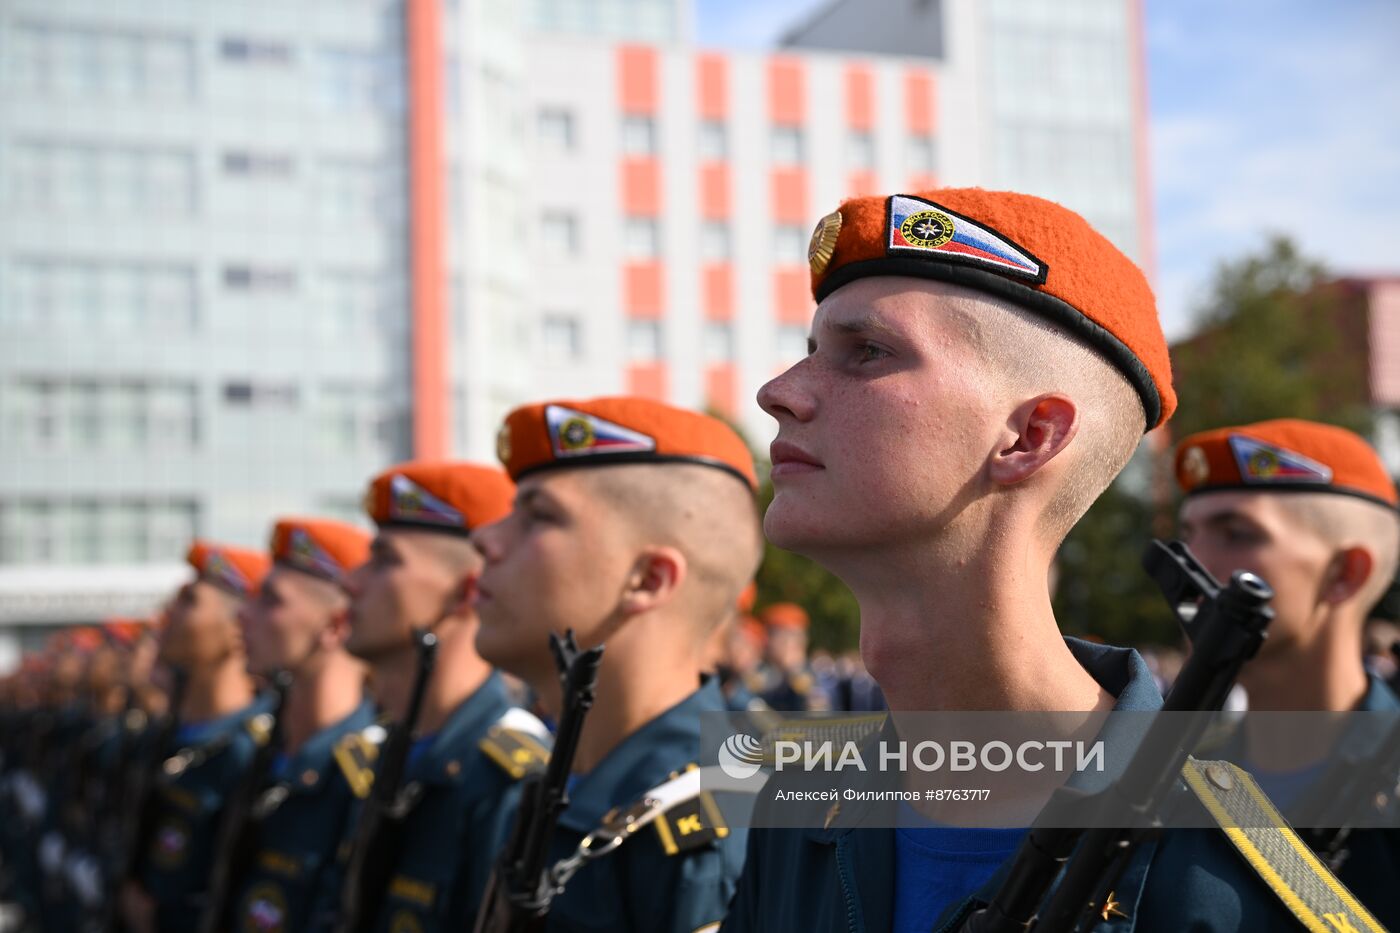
(635, 525)
(220, 730)
(793, 686)
(980, 366)
(1310, 508)
(464, 771)
(298, 624)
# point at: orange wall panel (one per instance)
(427, 268)
(722, 388)
(919, 116)
(641, 187)
(717, 289)
(787, 92)
(711, 86)
(788, 187)
(792, 295)
(862, 182)
(714, 191)
(637, 89)
(647, 380)
(860, 97)
(644, 290)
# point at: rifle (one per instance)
(1226, 625)
(377, 835)
(1355, 786)
(238, 833)
(146, 789)
(523, 886)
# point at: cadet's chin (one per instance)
(785, 526)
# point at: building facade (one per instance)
(252, 253)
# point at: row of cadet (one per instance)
(982, 366)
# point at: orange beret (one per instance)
(238, 571)
(1282, 456)
(785, 615)
(606, 431)
(448, 496)
(746, 597)
(753, 630)
(320, 547)
(1027, 250)
(125, 631)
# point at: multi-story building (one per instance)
(253, 252)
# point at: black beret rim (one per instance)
(634, 457)
(1294, 487)
(1058, 311)
(408, 524)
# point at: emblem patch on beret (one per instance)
(303, 551)
(577, 434)
(823, 242)
(922, 227)
(503, 444)
(221, 570)
(411, 502)
(1265, 463)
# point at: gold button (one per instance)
(1220, 776)
(308, 777)
(454, 768)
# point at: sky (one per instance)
(1266, 116)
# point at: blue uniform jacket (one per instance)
(297, 840)
(176, 863)
(451, 836)
(638, 887)
(842, 879)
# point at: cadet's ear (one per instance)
(460, 601)
(335, 634)
(656, 576)
(1347, 574)
(1036, 432)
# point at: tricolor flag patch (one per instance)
(412, 503)
(1264, 463)
(221, 570)
(577, 434)
(923, 227)
(305, 552)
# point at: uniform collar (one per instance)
(642, 760)
(314, 756)
(464, 726)
(197, 734)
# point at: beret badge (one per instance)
(823, 243)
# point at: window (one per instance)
(108, 413)
(267, 279)
(719, 342)
(641, 238)
(242, 50)
(353, 417)
(555, 126)
(714, 141)
(860, 150)
(791, 343)
(240, 162)
(638, 136)
(715, 242)
(97, 62)
(643, 341)
(561, 338)
(789, 245)
(349, 189)
(94, 530)
(559, 232)
(103, 179)
(920, 156)
(787, 145)
(242, 393)
(361, 79)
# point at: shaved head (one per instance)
(1343, 522)
(707, 514)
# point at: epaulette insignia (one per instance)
(518, 753)
(355, 754)
(260, 728)
(801, 683)
(691, 824)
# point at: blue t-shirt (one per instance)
(938, 866)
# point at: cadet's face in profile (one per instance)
(555, 562)
(1229, 531)
(881, 425)
(403, 585)
(202, 627)
(280, 626)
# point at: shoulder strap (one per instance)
(518, 743)
(682, 810)
(1263, 837)
(355, 754)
